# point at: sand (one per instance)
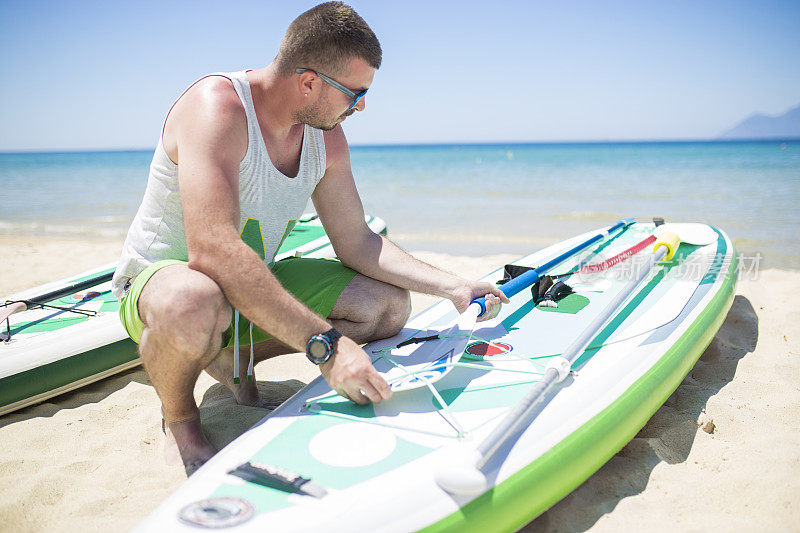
(722, 453)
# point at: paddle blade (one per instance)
(8, 310)
(690, 233)
(460, 475)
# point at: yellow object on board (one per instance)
(671, 241)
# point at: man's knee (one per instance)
(191, 308)
(396, 312)
(201, 303)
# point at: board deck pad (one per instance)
(378, 461)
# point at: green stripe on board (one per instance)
(94, 275)
(301, 235)
(45, 325)
(65, 371)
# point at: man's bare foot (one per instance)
(247, 394)
(186, 444)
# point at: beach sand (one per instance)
(723, 453)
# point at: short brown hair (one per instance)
(325, 38)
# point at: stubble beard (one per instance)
(313, 116)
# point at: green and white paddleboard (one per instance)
(46, 351)
(373, 468)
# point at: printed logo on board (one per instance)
(483, 350)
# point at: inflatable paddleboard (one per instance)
(322, 463)
(77, 337)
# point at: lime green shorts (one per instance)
(315, 282)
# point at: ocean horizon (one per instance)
(699, 140)
(469, 198)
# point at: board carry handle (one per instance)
(467, 478)
(512, 287)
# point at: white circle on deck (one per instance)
(352, 445)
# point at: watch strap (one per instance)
(329, 340)
(333, 335)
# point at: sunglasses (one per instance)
(333, 83)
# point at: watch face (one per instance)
(317, 349)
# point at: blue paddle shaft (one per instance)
(512, 287)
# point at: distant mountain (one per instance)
(759, 126)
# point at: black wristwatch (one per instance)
(321, 347)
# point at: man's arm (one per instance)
(341, 212)
(211, 138)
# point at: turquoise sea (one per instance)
(470, 199)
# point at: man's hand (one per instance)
(350, 373)
(464, 294)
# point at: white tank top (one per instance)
(269, 202)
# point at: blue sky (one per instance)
(102, 75)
